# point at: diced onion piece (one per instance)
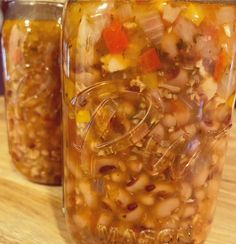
(195, 13)
(170, 13)
(169, 44)
(201, 68)
(124, 12)
(227, 83)
(226, 15)
(228, 30)
(208, 88)
(115, 62)
(153, 26)
(185, 29)
(103, 116)
(207, 47)
(90, 32)
(86, 79)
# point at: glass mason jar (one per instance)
(149, 88)
(31, 50)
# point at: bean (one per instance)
(107, 169)
(139, 184)
(158, 132)
(89, 196)
(200, 176)
(191, 130)
(135, 166)
(82, 219)
(166, 207)
(185, 191)
(134, 215)
(118, 177)
(189, 210)
(169, 121)
(213, 188)
(147, 200)
(123, 198)
(35, 172)
(132, 206)
(33, 154)
(199, 194)
(105, 219)
(149, 223)
(149, 188)
(106, 165)
(164, 188)
(108, 204)
(176, 134)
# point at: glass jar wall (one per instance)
(31, 49)
(149, 88)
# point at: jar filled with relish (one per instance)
(31, 50)
(149, 88)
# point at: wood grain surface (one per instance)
(31, 213)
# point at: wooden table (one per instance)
(31, 214)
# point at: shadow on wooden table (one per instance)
(56, 203)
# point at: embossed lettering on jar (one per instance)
(149, 88)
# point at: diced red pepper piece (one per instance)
(221, 65)
(149, 61)
(115, 38)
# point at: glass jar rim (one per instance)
(37, 1)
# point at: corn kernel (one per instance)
(69, 89)
(231, 101)
(150, 80)
(161, 4)
(195, 14)
(83, 116)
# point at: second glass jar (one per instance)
(31, 51)
(149, 88)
